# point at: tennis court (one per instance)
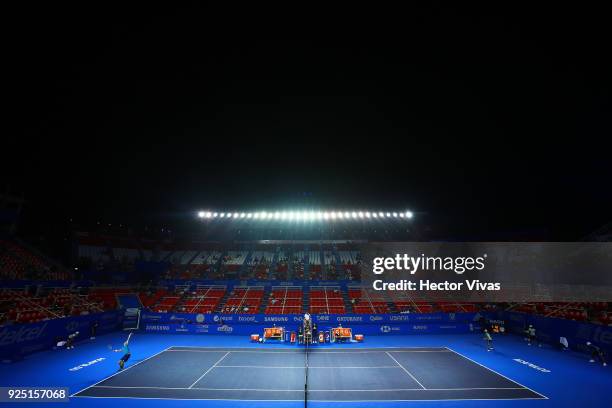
(365, 374)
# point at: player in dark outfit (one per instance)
(596, 353)
(70, 340)
(489, 340)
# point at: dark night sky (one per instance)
(479, 120)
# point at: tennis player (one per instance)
(489, 340)
(70, 340)
(531, 335)
(126, 354)
(596, 353)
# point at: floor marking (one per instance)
(314, 400)
(302, 367)
(315, 390)
(298, 351)
(122, 371)
(493, 371)
(316, 349)
(207, 371)
(403, 368)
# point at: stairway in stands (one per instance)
(347, 301)
(306, 300)
(264, 300)
(222, 302)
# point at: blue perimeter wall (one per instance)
(434, 323)
(18, 340)
(549, 330)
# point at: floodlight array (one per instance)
(306, 215)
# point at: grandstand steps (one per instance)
(392, 307)
(347, 302)
(264, 302)
(222, 302)
(193, 258)
(306, 300)
(244, 271)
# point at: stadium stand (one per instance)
(20, 263)
(244, 300)
(285, 300)
(328, 300)
(183, 265)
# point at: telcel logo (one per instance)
(24, 333)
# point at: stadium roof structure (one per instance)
(306, 216)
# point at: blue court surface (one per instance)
(395, 374)
(389, 371)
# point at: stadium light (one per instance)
(306, 215)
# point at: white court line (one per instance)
(207, 371)
(297, 351)
(119, 372)
(501, 375)
(343, 349)
(403, 368)
(313, 400)
(302, 367)
(315, 390)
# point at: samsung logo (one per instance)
(276, 319)
(157, 327)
